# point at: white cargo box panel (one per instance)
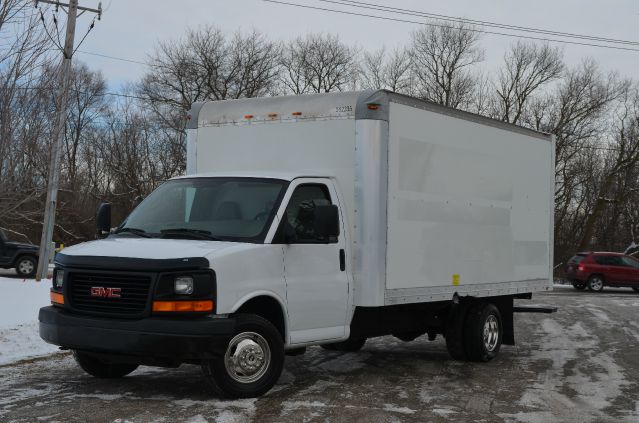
(470, 207)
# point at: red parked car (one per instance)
(596, 270)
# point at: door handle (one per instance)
(342, 259)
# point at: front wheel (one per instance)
(483, 332)
(101, 368)
(26, 266)
(253, 360)
(596, 283)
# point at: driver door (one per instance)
(317, 283)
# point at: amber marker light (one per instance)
(57, 298)
(272, 115)
(373, 106)
(296, 114)
(183, 306)
(248, 116)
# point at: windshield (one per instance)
(234, 209)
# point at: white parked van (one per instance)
(314, 220)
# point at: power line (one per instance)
(106, 56)
(386, 18)
(104, 94)
(411, 12)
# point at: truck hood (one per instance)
(148, 248)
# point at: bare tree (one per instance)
(390, 71)
(318, 63)
(622, 155)
(24, 49)
(576, 111)
(442, 59)
(527, 68)
(87, 105)
(208, 65)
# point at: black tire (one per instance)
(26, 266)
(596, 283)
(483, 332)
(350, 345)
(101, 368)
(261, 339)
(454, 331)
(579, 285)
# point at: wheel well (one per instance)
(20, 255)
(603, 278)
(269, 309)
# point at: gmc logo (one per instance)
(100, 291)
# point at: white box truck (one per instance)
(314, 220)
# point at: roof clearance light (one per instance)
(248, 116)
(373, 106)
(296, 113)
(272, 115)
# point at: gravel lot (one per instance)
(578, 365)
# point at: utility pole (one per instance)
(58, 134)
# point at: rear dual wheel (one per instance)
(474, 332)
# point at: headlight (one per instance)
(183, 285)
(58, 282)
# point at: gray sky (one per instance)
(130, 28)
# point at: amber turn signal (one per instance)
(183, 306)
(57, 298)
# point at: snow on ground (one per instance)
(19, 304)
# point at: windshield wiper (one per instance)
(135, 231)
(195, 233)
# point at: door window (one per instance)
(299, 215)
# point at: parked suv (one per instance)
(596, 270)
(22, 257)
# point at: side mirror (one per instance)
(326, 221)
(103, 220)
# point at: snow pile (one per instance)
(19, 304)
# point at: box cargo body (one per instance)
(438, 201)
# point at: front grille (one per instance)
(134, 293)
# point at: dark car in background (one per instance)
(22, 257)
(594, 270)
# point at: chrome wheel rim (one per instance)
(25, 267)
(596, 284)
(491, 333)
(247, 357)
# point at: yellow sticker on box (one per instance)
(455, 280)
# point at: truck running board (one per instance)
(535, 309)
